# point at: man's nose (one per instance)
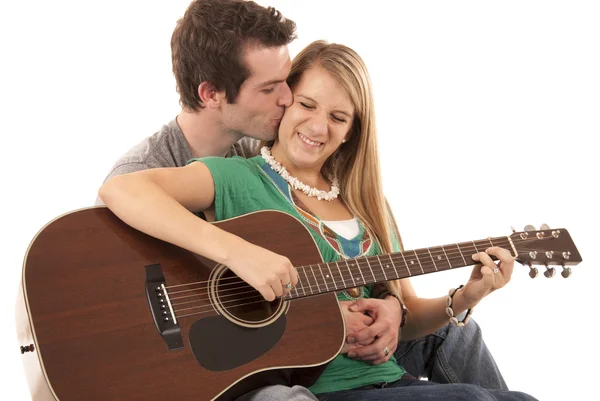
(285, 97)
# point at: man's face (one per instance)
(264, 95)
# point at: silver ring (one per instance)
(386, 351)
(496, 270)
(288, 285)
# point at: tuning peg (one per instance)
(566, 272)
(533, 272)
(550, 272)
(529, 227)
(544, 227)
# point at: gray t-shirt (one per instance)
(169, 148)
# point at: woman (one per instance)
(323, 169)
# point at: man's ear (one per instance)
(210, 96)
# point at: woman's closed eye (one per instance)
(307, 106)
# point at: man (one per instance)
(230, 61)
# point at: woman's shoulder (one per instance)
(236, 172)
(235, 163)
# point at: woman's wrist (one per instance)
(224, 246)
(460, 303)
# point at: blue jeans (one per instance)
(451, 355)
(454, 356)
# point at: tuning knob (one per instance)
(550, 272)
(566, 272)
(544, 227)
(529, 227)
(533, 272)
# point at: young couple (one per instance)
(317, 161)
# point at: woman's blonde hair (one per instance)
(356, 162)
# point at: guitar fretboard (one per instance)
(349, 273)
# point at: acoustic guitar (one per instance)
(105, 312)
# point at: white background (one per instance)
(487, 114)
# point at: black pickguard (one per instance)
(218, 344)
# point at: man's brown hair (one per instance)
(208, 43)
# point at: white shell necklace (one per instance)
(265, 152)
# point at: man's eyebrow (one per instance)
(271, 82)
(337, 111)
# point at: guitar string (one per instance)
(335, 280)
(340, 281)
(258, 295)
(319, 287)
(354, 268)
(402, 255)
(208, 308)
(413, 251)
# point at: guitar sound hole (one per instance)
(242, 302)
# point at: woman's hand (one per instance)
(264, 270)
(487, 276)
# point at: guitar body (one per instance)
(85, 308)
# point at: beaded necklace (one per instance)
(265, 152)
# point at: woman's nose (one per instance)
(318, 124)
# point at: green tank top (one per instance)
(249, 185)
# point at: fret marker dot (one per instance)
(327, 275)
(439, 257)
(412, 262)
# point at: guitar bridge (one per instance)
(160, 307)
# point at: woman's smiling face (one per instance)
(317, 122)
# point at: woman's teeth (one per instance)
(308, 141)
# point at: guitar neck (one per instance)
(349, 273)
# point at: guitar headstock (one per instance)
(546, 247)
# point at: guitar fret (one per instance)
(322, 275)
(316, 281)
(382, 268)
(393, 265)
(447, 258)
(307, 280)
(419, 261)
(341, 275)
(350, 271)
(491, 243)
(301, 282)
(443, 261)
(475, 246)
(361, 273)
(434, 265)
(461, 254)
(332, 278)
(406, 264)
(369, 264)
